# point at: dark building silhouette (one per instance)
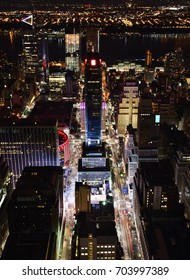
(161, 215)
(36, 202)
(92, 39)
(5, 192)
(148, 129)
(35, 246)
(34, 213)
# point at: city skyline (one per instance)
(111, 131)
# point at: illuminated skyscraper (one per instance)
(34, 56)
(128, 107)
(93, 98)
(43, 57)
(30, 53)
(92, 39)
(26, 143)
(72, 47)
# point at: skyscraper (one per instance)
(72, 47)
(35, 56)
(43, 57)
(30, 53)
(5, 191)
(148, 130)
(92, 39)
(37, 201)
(34, 214)
(128, 107)
(93, 98)
(26, 143)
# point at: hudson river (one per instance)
(112, 48)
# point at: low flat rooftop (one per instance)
(35, 246)
(61, 111)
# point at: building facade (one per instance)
(72, 48)
(92, 40)
(128, 107)
(26, 143)
(93, 99)
(148, 130)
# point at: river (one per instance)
(112, 48)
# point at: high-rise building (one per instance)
(56, 79)
(128, 107)
(174, 63)
(95, 239)
(92, 39)
(35, 57)
(35, 246)
(148, 130)
(157, 210)
(71, 88)
(60, 112)
(131, 161)
(163, 104)
(72, 49)
(30, 53)
(93, 99)
(181, 161)
(157, 190)
(185, 191)
(34, 214)
(37, 201)
(26, 142)
(43, 57)
(5, 191)
(175, 144)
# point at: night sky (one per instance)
(25, 3)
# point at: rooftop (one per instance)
(40, 177)
(27, 122)
(46, 111)
(157, 173)
(97, 228)
(36, 246)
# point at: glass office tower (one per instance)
(93, 99)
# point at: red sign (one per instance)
(93, 62)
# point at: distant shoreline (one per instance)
(110, 30)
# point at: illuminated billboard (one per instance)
(157, 118)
